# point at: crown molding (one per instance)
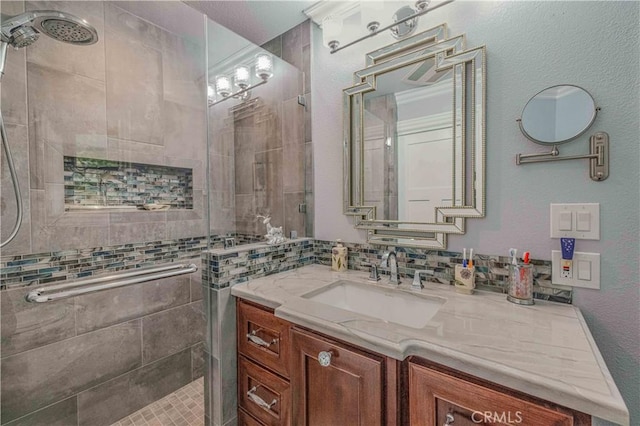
(318, 11)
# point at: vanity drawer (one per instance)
(438, 398)
(263, 394)
(245, 419)
(263, 338)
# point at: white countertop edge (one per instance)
(612, 409)
(622, 415)
(530, 384)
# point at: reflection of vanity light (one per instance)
(241, 79)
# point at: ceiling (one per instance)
(256, 20)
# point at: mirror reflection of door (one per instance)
(408, 143)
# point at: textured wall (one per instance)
(260, 152)
(137, 95)
(93, 359)
(530, 45)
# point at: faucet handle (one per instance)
(373, 274)
(417, 281)
(384, 263)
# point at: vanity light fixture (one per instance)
(405, 22)
(223, 85)
(241, 77)
(241, 80)
(264, 66)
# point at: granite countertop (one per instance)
(545, 350)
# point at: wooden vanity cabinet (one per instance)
(337, 384)
(441, 396)
(281, 381)
(264, 392)
(288, 375)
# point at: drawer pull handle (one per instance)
(258, 341)
(261, 402)
(449, 419)
(324, 358)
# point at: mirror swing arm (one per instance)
(598, 156)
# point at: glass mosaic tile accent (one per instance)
(43, 268)
(224, 268)
(491, 271)
(92, 182)
(249, 260)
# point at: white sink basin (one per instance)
(390, 305)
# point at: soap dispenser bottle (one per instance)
(339, 257)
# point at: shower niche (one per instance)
(94, 184)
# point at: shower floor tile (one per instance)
(184, 407)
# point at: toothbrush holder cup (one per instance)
(520, 287)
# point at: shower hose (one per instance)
(14, 180)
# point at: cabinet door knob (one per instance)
(449, 419)
(324, 358)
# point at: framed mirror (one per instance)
(558, 114)
(414, 142)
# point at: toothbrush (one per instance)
(525, 257)
(464, 257)
(513, 252)
(471, 259)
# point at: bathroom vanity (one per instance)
(477, 359)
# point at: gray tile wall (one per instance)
(272, 144)
(95, 358)
(64, 100)
(110, 353)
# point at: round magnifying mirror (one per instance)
(558, 114)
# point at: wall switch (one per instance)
(579, 221)
(565, 221)
(584, 271)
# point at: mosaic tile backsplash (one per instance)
(491, 271)
(92, 182)
(224, 268)
(42, 268)
(250, 260)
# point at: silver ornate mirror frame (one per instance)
(468, 141)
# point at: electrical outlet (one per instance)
(583, 271)
(567, 269)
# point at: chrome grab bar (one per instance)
(106, 282)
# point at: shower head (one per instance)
(23, 30)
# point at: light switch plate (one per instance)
(586, 270)
(575, 220)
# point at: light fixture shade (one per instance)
(223, 85)
(211, 93)
(264, 66)
(241, 76)
(371, 14)
(331, 29)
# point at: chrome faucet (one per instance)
(394, 275)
